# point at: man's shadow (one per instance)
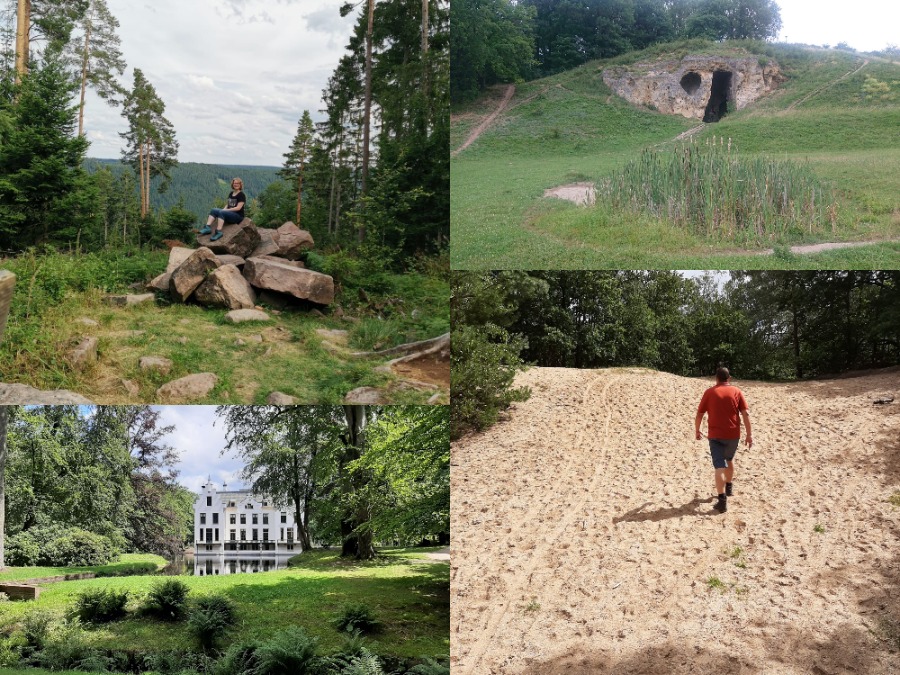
(638, 515)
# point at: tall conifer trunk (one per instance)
(84, 74)
(367, 114)
(23, 22)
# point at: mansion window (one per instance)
(255, 519)
(243, 519)
(203, 519)
(232, 519)
(209, 501)
(283, 517)
(215, 519)
(265, 519)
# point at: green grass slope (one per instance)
(836, 113)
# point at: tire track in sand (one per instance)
(497, 616)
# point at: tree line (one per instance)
(505, 40)
(354, 475)
(375, 171)
(765, 325)
(110, 474)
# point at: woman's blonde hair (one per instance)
(239, 181)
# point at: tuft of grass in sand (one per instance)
(819, 528)
(894, 499)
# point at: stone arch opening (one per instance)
(719, 96)
(690, 82)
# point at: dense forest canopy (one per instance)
(502, 40)
(767, 325)
(392, 192)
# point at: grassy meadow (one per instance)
(571, 128)
(55, 292)
(408, 595)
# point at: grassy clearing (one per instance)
(54, 292)
(570, 127)
(126, 565)
(410, 598)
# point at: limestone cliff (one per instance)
(701, 87)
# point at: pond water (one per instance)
(206, 566)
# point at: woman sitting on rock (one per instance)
(231, 214)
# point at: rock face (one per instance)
(285, 278)
(226, 287)
(267, 245)
(240, 239)
(699, 87)
(192, 273)
(128, 300)
(159, 363)
(177, 255)
(84, 353)
(242, 315)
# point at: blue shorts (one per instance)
(722, 451)
(230, 217)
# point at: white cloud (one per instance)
(235, 76)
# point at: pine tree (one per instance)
(44, 192)
(100, 56)
(296, 159)
(151, 146)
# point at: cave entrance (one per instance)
(719, 96)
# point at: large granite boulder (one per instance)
(177, 255)
(267, 245)
(285, 278)
(226, 287)
(240, 239)
(292, 241)
(188, 388)
(22, 394)
(192, 273)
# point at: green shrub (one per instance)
(209, 620)
(167, 600)
(357, 618)
(364, 664)
(483, 363)
(67, 649)
(59, 546)
(36, 627)
(240, 659)
(289, 651)
(100, 605)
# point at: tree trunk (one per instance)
(4, 417)
(299, 193)
(84, 73)
(367, 113)
(141, 177)
(356, 544)
(147, 183)
(23, 23)
(424, 27)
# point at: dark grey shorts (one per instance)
(722, 451)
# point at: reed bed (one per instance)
(711, 190)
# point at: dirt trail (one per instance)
(585, 540)
(488, 121)
(818, 91)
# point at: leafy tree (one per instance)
(4, 419)
(735, 20)
(151, 146)
(299, 155)
(492, 41)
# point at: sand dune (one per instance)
(584, 539)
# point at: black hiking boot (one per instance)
(721, 505)
(728, 491)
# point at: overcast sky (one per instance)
(235, 75)
(865, 25)
(198, 439)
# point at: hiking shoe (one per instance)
(218, 235)
(721, 505)
(206, 230)
(728, 490)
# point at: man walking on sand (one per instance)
(723, 402)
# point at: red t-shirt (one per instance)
(723, 402)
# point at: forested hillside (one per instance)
(198, 187)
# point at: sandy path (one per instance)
(488, 121)
(584, 537)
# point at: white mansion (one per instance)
(237, 523)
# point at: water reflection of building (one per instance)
(240, 525)
(230, 564)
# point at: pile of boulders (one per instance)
(246, 261)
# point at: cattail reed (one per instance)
(711, 190)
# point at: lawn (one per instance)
(571, 128)
(409, 596)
